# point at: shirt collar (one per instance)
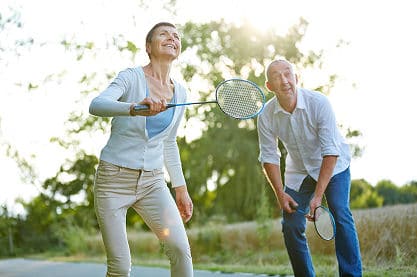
(301, 103)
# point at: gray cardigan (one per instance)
(129, 145)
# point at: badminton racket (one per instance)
(237, 98)
(324, 223)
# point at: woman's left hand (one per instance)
(184, 203)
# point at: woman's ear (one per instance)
(148, 48)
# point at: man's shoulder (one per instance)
(311, 93)
(270, 105)
(312, 96)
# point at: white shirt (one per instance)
(129, 144)
(308, 134)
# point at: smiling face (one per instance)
(281, 79)
(163, 41)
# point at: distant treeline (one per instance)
(47, 222)
(385, 192)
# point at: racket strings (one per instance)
(240, 98)
(324, 224)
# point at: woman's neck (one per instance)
(159, 82)
(158, 72)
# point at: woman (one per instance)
(130, 171)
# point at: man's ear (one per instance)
(296, 79)
(268, 85)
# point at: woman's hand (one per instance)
(184, 203)
(155, 106)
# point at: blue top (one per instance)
(157, 123)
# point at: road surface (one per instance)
(20, 267)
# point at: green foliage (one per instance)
(388, 191)
(394, 195)
(53, 214)
(75, 239)
(356, 149)
(7, 223)
(37, 231)
(223, 174)
(221, 166)
(263, 219)
(239, 50)
(10, 21)
(74, 178)
(220, 174)
(409, 192)
(363, 195)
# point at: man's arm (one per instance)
(273, 175)
(326, 171)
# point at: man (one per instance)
(317, 165)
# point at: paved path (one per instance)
(33, 268)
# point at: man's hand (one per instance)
(287, 203)
(184, 203)
(314, 203)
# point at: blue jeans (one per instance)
(346, 240)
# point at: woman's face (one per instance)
(165, 42)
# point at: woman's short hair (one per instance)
(157, 25)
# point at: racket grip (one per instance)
(293, 206)
(140, 107)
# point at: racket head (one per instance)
(324, 223)
(240, 98)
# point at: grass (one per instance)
(388, 238)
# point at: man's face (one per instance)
(281, 79)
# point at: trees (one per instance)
(221, 165)
(219, 161)
(219, 157)
(394, 195)
(363, 195)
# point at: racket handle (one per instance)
(140, 107)
(293, 206)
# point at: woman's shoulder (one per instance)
(130, 76)
(132, 72)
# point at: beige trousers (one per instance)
(115, 190)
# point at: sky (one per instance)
(374, 93)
